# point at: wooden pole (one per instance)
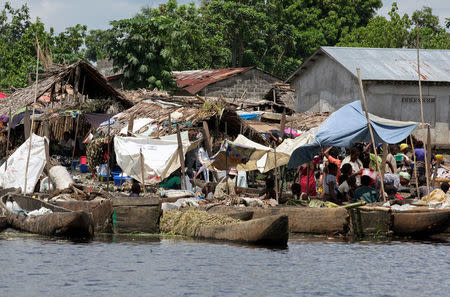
(307, 181)
(141, 157)
(428, 161)
(415, 165)
(181, 157)
(108, 166)
(363, 99)
(7, 139)
(383, 160)
(26, 124)
(208, 144)
(76, 135)
(32, 118)
(276, 172)
(282, 123)
(170, 123)
(438, 163)
(427, 169)
(130, 125)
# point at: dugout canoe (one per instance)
(270, 230)
(420, 222)
(61, 222)
(301, 219)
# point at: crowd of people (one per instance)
(351, 174)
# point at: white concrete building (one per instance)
(328, 80)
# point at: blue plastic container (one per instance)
(119, 180)
(103, 177)
(115, 173)
(84, 168)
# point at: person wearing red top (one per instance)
(311, 189)
(332, 156)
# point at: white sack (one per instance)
(14, 176)
(61, 177)
(160, 156)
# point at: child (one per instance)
(330, 184)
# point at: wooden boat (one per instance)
(270, 230)
(61, 222)
(3, 223)
(301, 219)
(101, 211)
(421, 222)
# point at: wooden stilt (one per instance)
(7, 139)
(141, 157)
(276, 172)
(208, 145)
(181, 156)
(32, 119)
(363, 99)
(282, 124)
(415, 165)
(108, 166)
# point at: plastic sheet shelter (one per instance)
(348, 126)
(161, 156)
(14, 175)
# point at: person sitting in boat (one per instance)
(226, 186)
(365, 192)
(135, 189)
(330, 185)
(391, 192)
(296, 190)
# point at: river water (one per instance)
(149, 266)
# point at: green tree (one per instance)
(400, 31)
(96, 44)
(68, 45)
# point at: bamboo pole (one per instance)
(7, 139)
(428, 163)
(307, 181)
(282, 124)
(108, 166)
(130, 125)
(141, 157)
(208, 144)
(276, 171)
(181, 157)
(422, 117)
(415, 165)
(363, 99)
(32, 118)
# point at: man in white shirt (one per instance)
(353, 160)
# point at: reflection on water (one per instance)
(153, 266)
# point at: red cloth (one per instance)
(304, 181)
(2, 95)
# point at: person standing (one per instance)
(353, 160)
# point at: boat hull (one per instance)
(271, 230)
(421, 223)
(61, 222)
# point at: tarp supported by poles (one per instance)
(348, 126)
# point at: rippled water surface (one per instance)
(146, 266)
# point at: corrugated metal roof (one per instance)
(193, 81)
(395, 64)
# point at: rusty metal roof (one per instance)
(396, 64)
(193, 81)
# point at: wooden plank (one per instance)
(26, 124)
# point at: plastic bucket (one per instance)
(83, 160)
(83, 168)
(119, 180)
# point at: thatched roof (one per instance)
(95, 86)
(189, 113)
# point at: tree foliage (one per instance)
(274, 35)
(400, 31)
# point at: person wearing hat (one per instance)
(226, 186)
(405, 162)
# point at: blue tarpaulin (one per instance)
(347, 126)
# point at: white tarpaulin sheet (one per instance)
(161, 157)
(138, 124)
(14, 176)
(284, 151)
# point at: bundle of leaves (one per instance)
(187, 222)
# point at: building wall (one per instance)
(327, 86)
(255, 83)
(324, 87)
